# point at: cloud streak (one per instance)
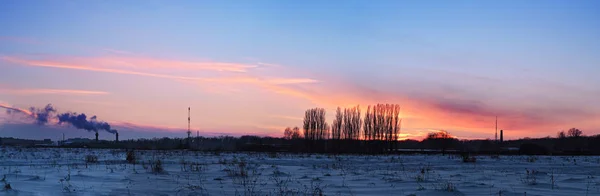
(50, 91)
(129, 126)
(121, 67)
(140, 63)
(16, 109)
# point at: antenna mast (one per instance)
(189, 132)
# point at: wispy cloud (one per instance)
(232, 74)
(268, 64)
(119, 64)
(152, 68)
(258, 80)
(129, 126)
(117, 51)
(101, 103)
(12, 108)
(296, 118)
(49, 91)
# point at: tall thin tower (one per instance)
(496, 128)
(189, 132)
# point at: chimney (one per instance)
(501, 135)
(117, 137)
(96, 136)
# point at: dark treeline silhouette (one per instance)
(378, 132)
(435, 142)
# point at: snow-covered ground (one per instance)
(31, 171)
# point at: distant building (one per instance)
(25, 142)
(77, 140)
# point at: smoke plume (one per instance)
(41, 115)
(80, 121)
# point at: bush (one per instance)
(157, 166)
(237, 169)
(468, 158)
(446, 186)
(7, 186)
(530, 177)
(131, 157)
(91, 159)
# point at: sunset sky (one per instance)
(254, 67)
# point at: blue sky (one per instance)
(534, 62)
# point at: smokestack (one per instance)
(96, 136)
(501, 135)
(117, 137)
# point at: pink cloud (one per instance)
(231, 131)
(50, 91)
(153, 67)
(129, 62)
(12, 108)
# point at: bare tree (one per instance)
(336, 126)
(287, 133)
(296, 133)
(315, 126)
(356, 123)
(574, 132)
(382, 122)
(352, 123)
(561, 134)
(368, 125)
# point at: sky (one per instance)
(254, 67)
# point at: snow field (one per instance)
(55, 171)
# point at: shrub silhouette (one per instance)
(131, 157)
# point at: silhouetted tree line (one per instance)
(378, 132)
(315, 126)
(435, 142)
